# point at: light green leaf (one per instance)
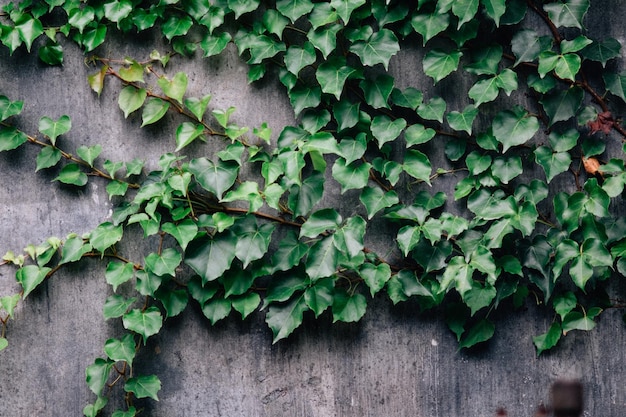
(176, 25)
(494, 9)
(118, 273)
(89, 153)
(116, 306)
(506, 169)
(304, 98)
(463, 121)
(211, 256)
(48, 157)
(164, 263)
(325, 38)
(465, 10)
(144, 322)
(30, 276)
(105, 236)
(438, 63)
(131, 98)
(121, 349)
(174, 88)
(433, 110)
(144, 386)
(71, 174)
(97, 374)
(345, 8)
(417, 165)
(553, 163)
(215, 177)
(54, 128)
(385, 129)
(375, 276)
(186, 133)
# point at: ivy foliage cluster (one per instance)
(236, 244)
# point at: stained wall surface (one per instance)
(394, 362)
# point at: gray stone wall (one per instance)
(394, 362)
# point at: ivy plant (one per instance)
(247, 230)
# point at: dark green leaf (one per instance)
(284, 319)
(348, 308)
(514, 127)
(375, 199)
(549, 339)
(478, 333)
(377, 91)
(211, 256)
(429, 25)
(30, 276)
(215, 177)
(51, 54)
(322, 259)
(378, 49)
(319, 296)
(568, 13)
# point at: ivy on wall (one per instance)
(238, 243)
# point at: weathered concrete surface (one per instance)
(392, 363)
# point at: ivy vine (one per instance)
(247, 228)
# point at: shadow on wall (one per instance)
(567, 401)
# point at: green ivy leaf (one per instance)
(322, 259)
(377, 49)
(211, 256)
(304, 98)
(378, 91)
(345, 8)
(81, 17)
(320, 296)
(549, 339)
(433, 110)
(385, 129)
(577, 321)
(164, 263)
(374, 199)
(176, 25)
(294, 9)
(144, 386)
(215, 177)
(284, 319)
(174, 301)
(28, 29)
(375, 276)
(93, 37)
(495, 9)
(105, 236)
(417, 165)
(154, 110)
(241, 7)
(89, 153)
(430, 25)
(121, 349)
(563, 105)
(514, 127)
(463, 121)
(438, 64)
(174, 88)
(11, 138)
(92, 410)
(320, 222)
(9, 108)
(246, 304)
(51, 54)
(569, 13)
(297, 57)
(132, 412)
(144, 322)
(478, 333)
(131, 99)
(506, 169)
(48, 157)
(465, 10)
(186, 133)
(332, 75)
(71, 174)
(115, 11)
(118, 273)
(527, 45)
(30, 276)
(54, 128)
(348, 308)
(325, 38)
(97, 374)
(116, 306)
(553, 163)
(303, 198)
(602, 51)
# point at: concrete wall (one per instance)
(393, 363)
